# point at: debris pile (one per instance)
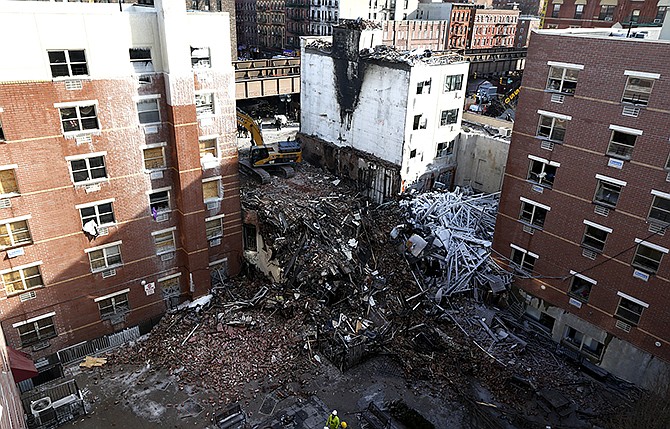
(320, 44)
(390, 53)
(359, 24)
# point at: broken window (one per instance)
(647, 258)
(79, 118)
(607, 193)
(629, 310)
(159, 202)
(412, 153)
(523, 260)
(154, 158)
(212, 189)
(420, 122)
(164, 241)
(250, 237)
(533, 214)
(448, 117)
(637, 91)
(556, 10)
(37, 330)
(204, 104)
(140, 59)
(68, 63)
(214, 227)
(104, 257)
(22, 279)
(562, 79)
(2, 133)
(621, 145)
(542, 172)
(660, 210)
(579, 11)
(88, 169)
(606, 13)
(208, 149)
(113, 306)
(8, 186)
(453, 83)
(148, 111)
(14, 233)
(423, 87)
(200, 58)
(444, 149)
(580, 287)
(101, 214)
(582, 342)
(551, 128)
(595, 237)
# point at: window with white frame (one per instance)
(608, 191)
(159, 201)
(637, 90)
(15, 232)
(552, 127)
(212, 189)
(164, 241)
(630, 309)
(542, 171)
(444, 149)
(214, 227)
(208, 149)
(114, 305)
(22, 278)
(218, 270)
(448, 117)
(8, 185)
(582, 342)
(148, 111)
(453, 83)
(170, 287)
(595, 236)
(580, 286)
(37, 329)
(79, 118)
(660, 208)
(200, 58)
(420, 122)
(154, 157)
(648, 256)
(533, 213)
(563, 79)
(621, 142)
(100, 212)
(140, 59)
(204, 104)
(523, 259)
(66, 63)
(423, 87)
(89, 169)
(102, 258)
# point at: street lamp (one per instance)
(285, 98)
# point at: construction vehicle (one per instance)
(278, 158)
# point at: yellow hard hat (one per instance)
(344, 425)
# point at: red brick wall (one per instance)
(590, 15)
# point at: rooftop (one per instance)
(645, 34)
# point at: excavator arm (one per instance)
(247, 122)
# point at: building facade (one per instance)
(460, 26)
(408, 35)
(227, 6)
(527, 7)
(494, 28)
(390, 10)
(586, 202)
(246, 24)
(525, 26)
(604, 13)
(118, 167)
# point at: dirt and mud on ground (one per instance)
(348, 323)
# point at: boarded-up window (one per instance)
(8, 182)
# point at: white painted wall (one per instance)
(352, 9)
(432, 11)
(481, 161)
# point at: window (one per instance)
(102, 213)
(88, 169)
(68, 63)
(606, 13)
(154, 157)
(214, 227)
(523, 259)
(412, 153)
(164, 241)
(551, 128)
(648, 257)
(211, 189)
(562, 79)
(204, 104)
(542, 171)
(583, 342)
(14, 232)
(635, 16)
(148, 111)
(453, 83)
(555, 11)
(595, 236)
(637, 91)
(444, 149)
(113, 306)
(170, 287)
(140, 59)
(159, 202)
(621, 144)
(2, 133)
(34, 331)
(660, 209)
(105, 257)
(660, 14)
(200, 57)
(448, 117)
(607, 193)
(423, 87)
(79, 118)
(420, 122)
(579, 11)
(249, 237)
(208, 149)
(630, 309)
(532, 213)
(8, 186)
(580, 287)
(22, 278)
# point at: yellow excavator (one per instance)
(278, 158)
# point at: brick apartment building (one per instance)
(493, 28)
(586, 199)
(414, 34)
(604, 13)
(460, 26)
(118, 166)
(527, 7)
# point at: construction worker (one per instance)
(333, 421)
